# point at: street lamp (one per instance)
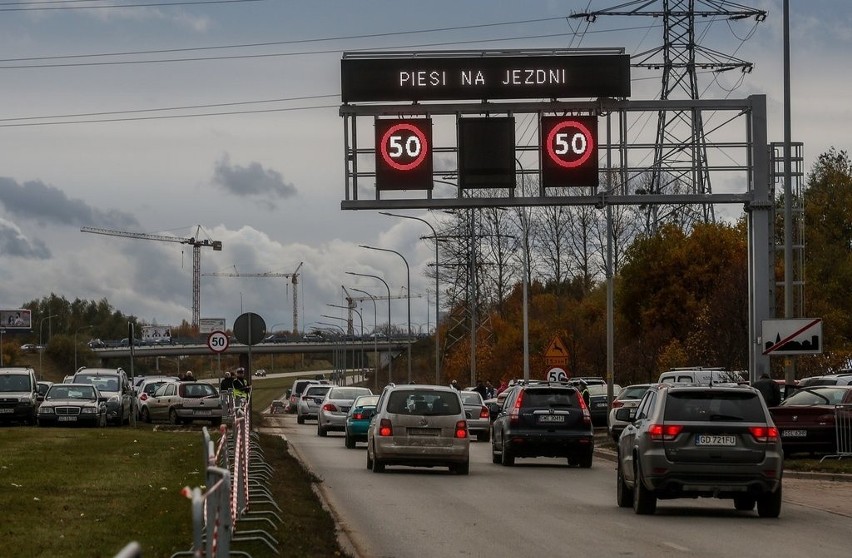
(375, 327)
(390, 357)
(336, 356)
(79, 329)
(41, 344)
(361, 318)
(407, 296)
(437, 302)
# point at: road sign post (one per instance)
(218, 341)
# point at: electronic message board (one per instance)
(435, 77)
(486, 152)
(404, 154)
(569, 151)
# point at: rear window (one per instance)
(193, 391)
(633, 392)
(471, 398)
(347, 393)
(550, 398)
(703, 406)
(818, 396)
(317, 390)
(410, 402)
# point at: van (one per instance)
(702, 376)
(18, 395)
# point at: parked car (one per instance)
(41, 389)
(73, 404)
(627, 398)
(145, 389)
(18, 395)
(700, 442)
(261, 373)
(598, 402)
(807, 421)
(358, 419)
(184, 402)
(419, 426)
(115, 386)
(295, 393)
(702, 376)
(310, 402)
(841, 379)
(335, 407)
(543, 420)
(30, 348)
(477, 414)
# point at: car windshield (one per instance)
(816, 396)
(549, 398)
(347, 392)
(63, 391)
(714, 405)
(412, 402)
(15, 382)
(313, 391)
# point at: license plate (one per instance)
(715, 440)
(66, 419)
(794, 433)
(203, 412)
(551, 418)
(424, 432)
(600, 405)
(7, 411)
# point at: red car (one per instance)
(806, 420)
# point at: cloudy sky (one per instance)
(159, 118)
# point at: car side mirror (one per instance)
(626, 415)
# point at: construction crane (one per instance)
(294, 279)
(352, 300)
(193, 241)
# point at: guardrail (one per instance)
(842, 431)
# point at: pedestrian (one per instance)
(770, 390)
(585, 393)
(489, 389)
(455, 384)
(188, 377)
(481, 389)
(504, 385)
(227, 382)
(239, 384)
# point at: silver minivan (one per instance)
(419, 426)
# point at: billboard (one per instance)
(153, 335)
(16, 319)
(209, 325)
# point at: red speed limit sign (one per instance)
(569, 151)
(404, 154)
(218, 341)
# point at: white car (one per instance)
(334, 408)
(145, 387)
(310, 401)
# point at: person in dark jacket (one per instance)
(227, 382)
(769, 389)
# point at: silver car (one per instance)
(310, 401)
(627, 398)
(419, 426)
(73, 404)
(478, 415)
(334, 408)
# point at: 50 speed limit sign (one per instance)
(569, 151)
(403, 154)
(217, 341)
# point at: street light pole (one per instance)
(41, 344)
(375, 326)
(407, 296)
(390, 356)
(343, 333)
(79, 329)
(362, 332)
(437, 296)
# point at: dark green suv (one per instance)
(543, 419)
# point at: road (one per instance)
(543, 507)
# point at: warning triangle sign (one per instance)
(556, 353)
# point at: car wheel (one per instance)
(321, 431)
(506, 457)
(378, 465)
(369, 460)
(483, 436)
(173, 417)
(350, 442)
(585, 460)
(623, 494)
(644, 501)
(300, 419)
(146, 414)
(495, 457)
(769, 505)
(461, 468)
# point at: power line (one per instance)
(25, 6)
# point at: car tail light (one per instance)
(329, 407)
(616, 403)
(385, 428)
(358, 416)
(587, 417)
(516, 409)
(764, 433)
(461, 429)
(143, 397)
(484, 412)
(664, 432)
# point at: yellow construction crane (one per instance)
(294, 279)
(193, 241)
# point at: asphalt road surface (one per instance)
(542, 507)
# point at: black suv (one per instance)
(700, 441)
(543, 419)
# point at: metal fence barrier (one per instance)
(842, 431)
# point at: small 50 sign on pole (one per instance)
(218, 341)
